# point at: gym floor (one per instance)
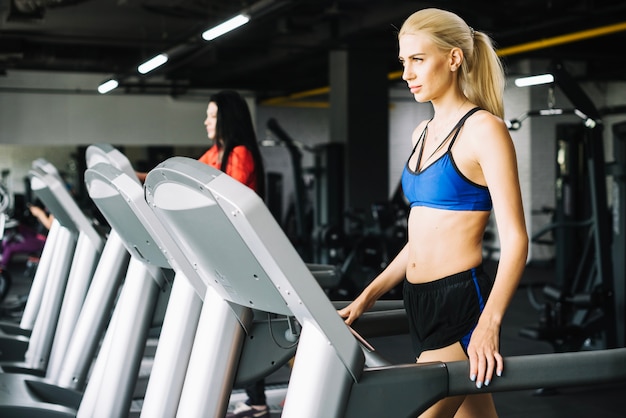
(606, 400)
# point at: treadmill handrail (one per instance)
(544, 371)
(411, 389)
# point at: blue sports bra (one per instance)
(441, 185)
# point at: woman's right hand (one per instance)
(355, 309)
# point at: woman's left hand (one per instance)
(484, 355)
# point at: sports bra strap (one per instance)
(461, 122)
(456, 130)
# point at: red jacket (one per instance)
(240, 164)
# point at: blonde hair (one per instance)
(481, 75)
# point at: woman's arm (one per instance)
(41, 215)
(393, 274)
(384, 282)
(141, 176)
(495, 153)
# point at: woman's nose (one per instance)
(407, 74)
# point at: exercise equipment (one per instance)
(113, 187)
(296, 223)
(59, 393)
(121, 201)
(253, 264)
(60, 284)
(6, 222)
(372, 242)
(618, 172)
(88, 250)
(582, 305)
(29, 311)
(114, 375)
(54, 387)
(359, 244)
(314, 221)
(6, 196)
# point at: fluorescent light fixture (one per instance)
(225, 27)
(534, 80)
(107, 86)
(152, 63)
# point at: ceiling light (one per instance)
(225, 27)
(152, 63)
(534, 80)
(107, 86)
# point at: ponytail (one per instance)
(485, 76)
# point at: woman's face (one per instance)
(211, 120)
(426, 67)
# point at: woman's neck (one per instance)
(449, 112)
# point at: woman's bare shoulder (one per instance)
(484, 127)
(417, 132)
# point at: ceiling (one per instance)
(284, 49)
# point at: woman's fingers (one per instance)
(346, 314)
(483, 367)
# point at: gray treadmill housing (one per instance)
(54, 194)
(145, 240)
(106, 153)
(138, 241)
(123, 205)
(231, 235)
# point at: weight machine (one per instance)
(6, 222)
(314, 220)
(359, 244)
(582, 305)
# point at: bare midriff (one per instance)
(443, 242)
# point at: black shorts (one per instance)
(445, 311)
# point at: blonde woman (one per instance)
(462, 167)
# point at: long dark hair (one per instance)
(234, 127)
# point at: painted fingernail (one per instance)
(479, 384)
(498, 373)
(487, 382)
(472, 377)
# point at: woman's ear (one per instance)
(456, 58)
